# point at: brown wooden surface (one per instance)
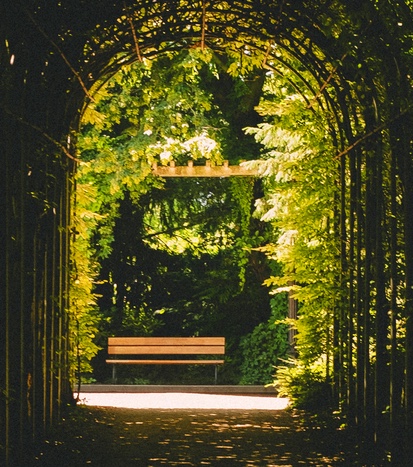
(166, 346)
(165, 349)
(207, 170)
(166, 341)
(167, 362)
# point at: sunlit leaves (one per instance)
(300, 179)
(83, 315)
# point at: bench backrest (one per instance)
(166, 345)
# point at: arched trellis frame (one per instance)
(357, 53)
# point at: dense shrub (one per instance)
(264, 346)
(305, 385)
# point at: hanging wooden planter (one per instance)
(207, 170)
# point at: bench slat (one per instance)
(164, 349)
(167, 362)
(166, 341)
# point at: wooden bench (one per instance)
(165, 351)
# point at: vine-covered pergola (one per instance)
(358, 53)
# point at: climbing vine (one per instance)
(301, 182)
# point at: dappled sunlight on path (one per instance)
(186, 429)
(182, 401)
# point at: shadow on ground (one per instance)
(108, 436)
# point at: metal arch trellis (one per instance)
(206, 24)
(216, 25)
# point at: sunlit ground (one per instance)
(182, 401)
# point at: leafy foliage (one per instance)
(300, 189)
(350, 60)
(84, 318)
(265, 346)
(305, 385)
(175, 256)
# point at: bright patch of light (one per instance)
(203, 143)
(175, 400)
(165, 155)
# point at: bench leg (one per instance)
(114, 374)
(216, 373)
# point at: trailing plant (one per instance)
(242, 195)
(84, 318)
(300, 186)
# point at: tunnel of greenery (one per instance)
(315, 96)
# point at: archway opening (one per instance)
(302, 123)
(178, 256)
(350, 66)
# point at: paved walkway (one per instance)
(178, 400)
(211, 430)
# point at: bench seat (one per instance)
(166, 362)
(148, 351)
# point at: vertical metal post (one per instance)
(113, 373)
(216, 373)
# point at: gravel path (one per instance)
(146, 437)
